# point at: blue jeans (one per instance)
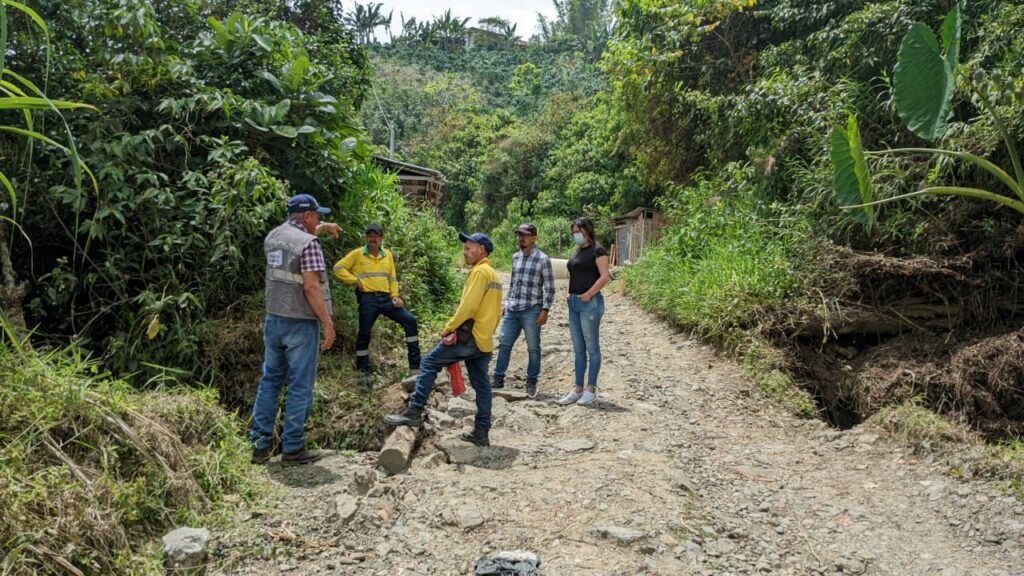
(291, 354)
(476, 364)
(511, 325)
(585, 328)
(373, 304)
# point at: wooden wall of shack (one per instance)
(634, 232)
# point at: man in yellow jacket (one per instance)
(371, 269)
(467, 337)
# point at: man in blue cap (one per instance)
(298, 302)
(467, 337)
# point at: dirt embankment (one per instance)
(943, 331)
(682, 468)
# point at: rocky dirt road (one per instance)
(682, 468)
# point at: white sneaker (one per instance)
(570, 398)
(587, 398)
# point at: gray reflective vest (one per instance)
(285, 297)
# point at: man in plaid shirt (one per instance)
(298, 300)
(526, 306)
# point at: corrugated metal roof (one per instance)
(397, 165)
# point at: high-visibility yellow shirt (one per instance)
(481, 302)
(374, 273)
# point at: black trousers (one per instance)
(372, 305)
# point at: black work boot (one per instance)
(412, 417)
(478, 436)
(260, 455)
(303, 456)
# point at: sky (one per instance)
(522, 12)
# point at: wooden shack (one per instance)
(419, 185)
(634, 231)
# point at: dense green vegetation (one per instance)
(207, 120)
(520, 132)
(132, 234)
(735, 103)
(146, 149)
(88, 465)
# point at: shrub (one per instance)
(89, 468)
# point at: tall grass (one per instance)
(89, 467)
(725, 262)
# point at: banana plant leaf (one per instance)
(850, 176)
(924, 80)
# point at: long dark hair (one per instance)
(584, 224)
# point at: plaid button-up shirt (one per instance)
(533, 282)
(312, 255)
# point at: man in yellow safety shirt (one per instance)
(467, 337)
(371, 269)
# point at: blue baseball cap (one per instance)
(480, 238)
(305, 203)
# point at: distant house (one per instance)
(419, 185)
(634, 231)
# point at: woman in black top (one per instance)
(588, 274)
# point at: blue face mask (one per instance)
(578, 238)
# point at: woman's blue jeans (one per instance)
(585, 328)
(291, 354)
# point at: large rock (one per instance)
(527, 422)
(186, 550)
(499, 407)
(554, 349)
(469, 518)
(682, 483)
(439, 418)
(458, 408)
(432, 461)
(509, 395)
(460, 452)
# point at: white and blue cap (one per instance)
(305, 203)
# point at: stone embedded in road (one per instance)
(620, 534)
(363, 479)
(469, 518)
(509, 395)
(433, 460)
(460, 452)
(576, 445)
(681, 483)
(345, 507)
(439, 418)
(458, 408)
(527, 422)
(186, 549)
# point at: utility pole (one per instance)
(391, 128)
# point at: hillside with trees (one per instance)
(842, 180)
